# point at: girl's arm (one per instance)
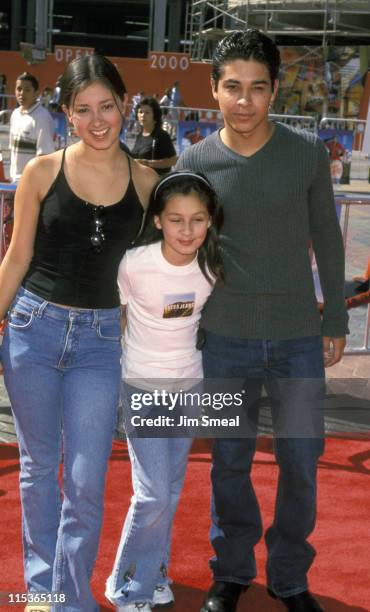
(123, 318)
(30, 190)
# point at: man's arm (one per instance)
(329, 252)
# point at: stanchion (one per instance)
(7, 191)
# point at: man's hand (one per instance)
(333, 350)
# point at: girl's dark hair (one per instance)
(185, 182)
(88, 69)
(157, 111)
(26, 76)
(246, 45)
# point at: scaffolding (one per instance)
(318, 23)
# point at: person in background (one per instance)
(31, 130)
(164, 283)
(263, 326)
(176, 97)
(166, 98)
(153, 147)
(175, 100)
(46, 97)
(133, 111)
(55, 102)
(76, 212)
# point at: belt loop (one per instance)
(40, 309)
(96, 317)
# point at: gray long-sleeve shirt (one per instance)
(275, 201)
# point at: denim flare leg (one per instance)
(62, 373)
(158, 468)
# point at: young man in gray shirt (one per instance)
(263, 324)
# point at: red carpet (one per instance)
(339, 577)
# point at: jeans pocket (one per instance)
(109, 330)
(20, 318)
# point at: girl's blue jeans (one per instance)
(62, 373)
(158, 468)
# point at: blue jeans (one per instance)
(62, 373)
(158, 470)
(236, 520)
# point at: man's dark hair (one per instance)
(246, 45)
(26, 76)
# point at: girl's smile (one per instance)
(184, 223)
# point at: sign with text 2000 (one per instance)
(169, 62)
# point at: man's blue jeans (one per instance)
(236, 520)
(62, 372)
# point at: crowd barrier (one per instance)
(189, 125)
(7, 192)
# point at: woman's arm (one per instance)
(166, 162)
(31, 188)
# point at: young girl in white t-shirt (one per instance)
(164, 283)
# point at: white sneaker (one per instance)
(163, 597)
(134, 607)
(140, 606)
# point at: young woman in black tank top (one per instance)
(76, 212)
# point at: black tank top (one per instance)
(66, 267)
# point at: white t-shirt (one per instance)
(31, 134)
(164, 304)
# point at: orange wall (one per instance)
(136, 73)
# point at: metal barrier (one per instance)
(348, 198)
(355, 193)
(186, 113)
(339, 122)
(357, 126)
(306, 122)
(172, 115)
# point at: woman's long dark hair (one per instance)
(185, 182)
(88, 69)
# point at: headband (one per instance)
(175, 175)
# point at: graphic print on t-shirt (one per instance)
(178, 305)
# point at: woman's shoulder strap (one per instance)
(129, 160)
(63, 158)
